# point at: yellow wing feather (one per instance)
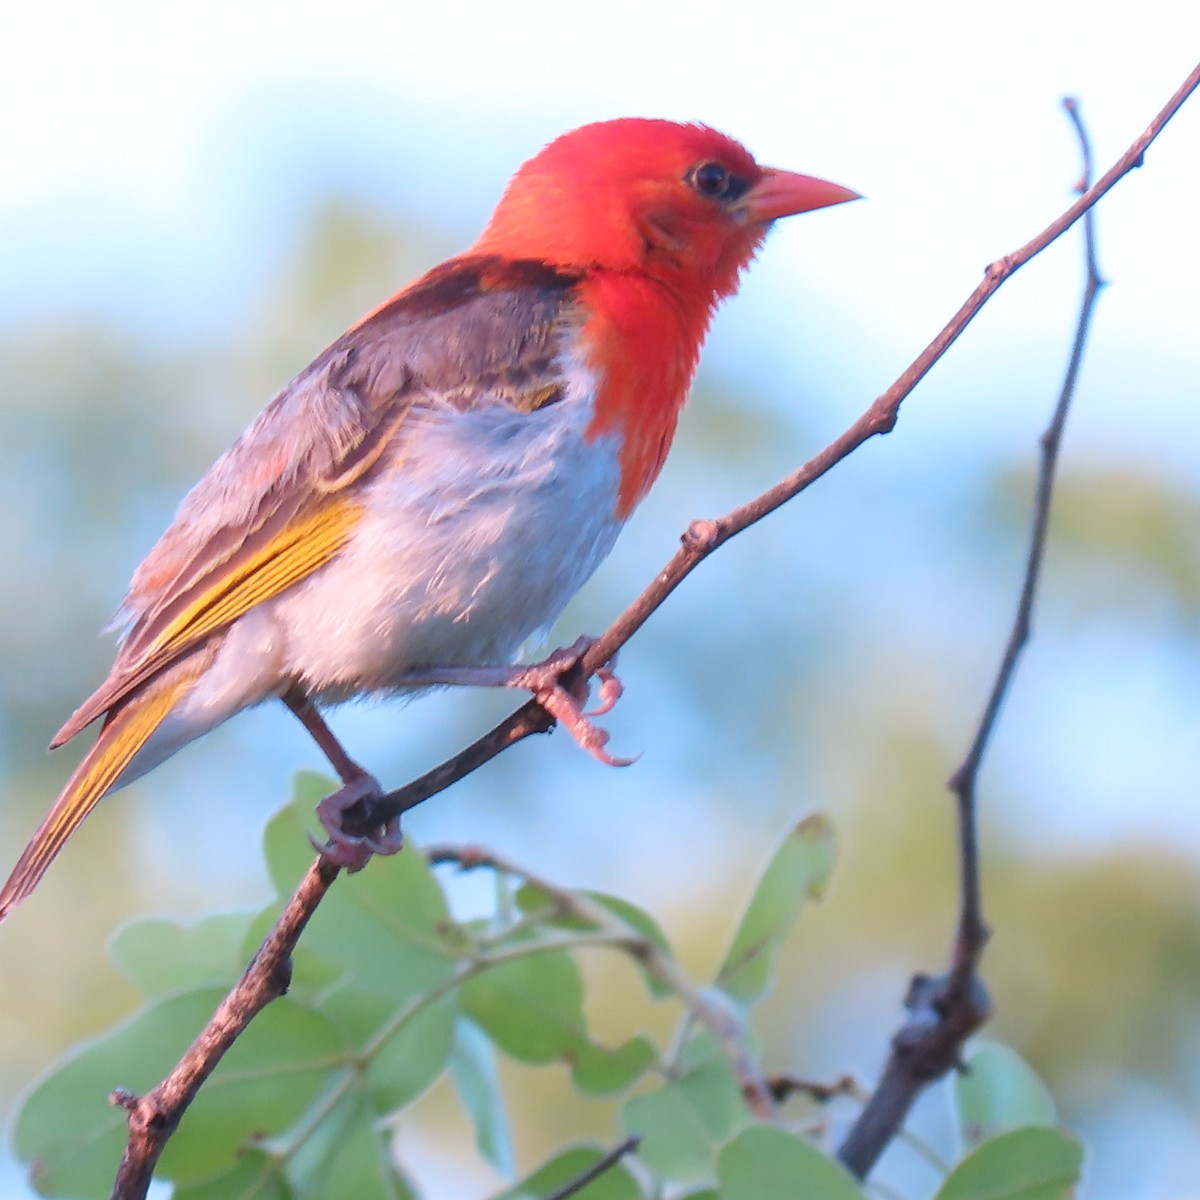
(123, 735)
(295, 553)
(234, 587)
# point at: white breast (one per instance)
(480, 528)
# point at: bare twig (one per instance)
(946, 1010)
(610, 1160)
(972, 932)
(703, 537)
(784, 1086)
(154, 1117)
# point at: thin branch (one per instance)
(964, 780)
(154, 1117)
(784, 1086)
(945, 1011)
(157, 1113)
(720, 1019)
(703, 537)
(598, 1168)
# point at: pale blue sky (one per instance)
(135, 121)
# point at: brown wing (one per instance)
(280, 503)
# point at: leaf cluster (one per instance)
(389, 993)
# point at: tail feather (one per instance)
(126, 730)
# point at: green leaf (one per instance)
(685, 1123)
(999, 1091)
(254, 1176)
(387, 927)
(69, 1135)
(75, 1137)
(641, 922)
(531, 1006)
(769, 1164)
(349, 1155)
(799, 871)
(390, 927)
(1035, 1163)
(288, 852)
(412, 1055)
(602, 1071)
(473, 1065)
(532, 899)
(263, 1084)
(162, 956)
(616, 1183)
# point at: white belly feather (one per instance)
(477, 531)
(470, 544)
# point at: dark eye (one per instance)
(713, 180)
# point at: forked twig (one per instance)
(945, 1010)
(721, 1021)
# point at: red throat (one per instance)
(657, 221)
(644, 343)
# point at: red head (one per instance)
(641, 208)
(681, 203)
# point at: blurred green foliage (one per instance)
(391, 993)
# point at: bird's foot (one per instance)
(348, 850)
(564, 702)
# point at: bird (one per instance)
(425, 497)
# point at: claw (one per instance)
(544, 679)
(564, 704)
(345, 857)
(564, 708)
(351, 851)
(611, 690)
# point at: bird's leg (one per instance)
(563, 701)
(345, 849)
(310, 717)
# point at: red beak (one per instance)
(784, 193)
